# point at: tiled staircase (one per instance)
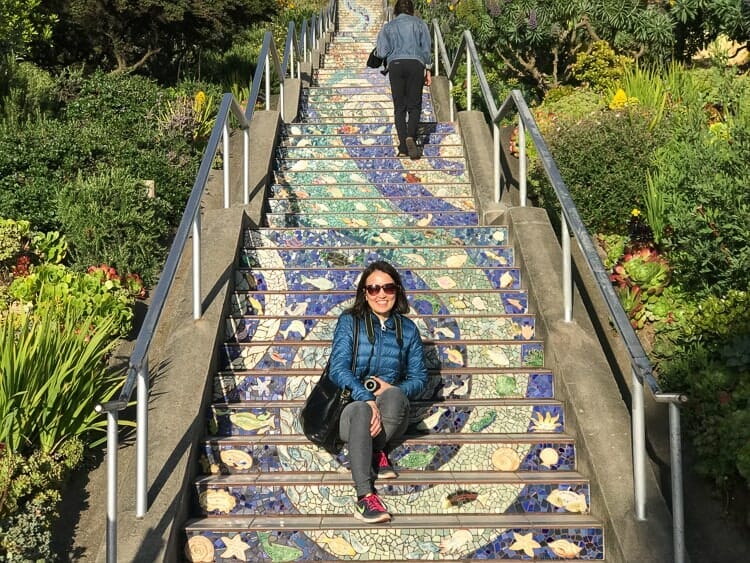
(487, 470)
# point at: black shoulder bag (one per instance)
(322, 411)
(373, 61)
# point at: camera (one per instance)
(371, 384)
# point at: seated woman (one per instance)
(393, 362)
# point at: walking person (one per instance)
(389, 371)
(405, 43)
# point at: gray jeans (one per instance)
(354, 429)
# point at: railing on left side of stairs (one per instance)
(297, 47)
(641, 371)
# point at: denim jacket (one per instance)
(410, 377)
(405, 37)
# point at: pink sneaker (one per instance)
(371, 509)
(381, 466)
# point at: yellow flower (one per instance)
(200, 101)
(636, 212)
(619, 100)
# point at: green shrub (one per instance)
(109, 218)
(30, 490)
(600, 67)
(28, 92)
(603, 159)
(706, 209)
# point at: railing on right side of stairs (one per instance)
(297, 44)
(641, 371)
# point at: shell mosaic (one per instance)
(487, 469)
(402, 543)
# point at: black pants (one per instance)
(407, 80)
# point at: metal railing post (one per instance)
(141, 441)
(268, 82)
(226, 165)
(246, 165)
(468, 79)
(639, 446)
(112, 447)
(451, 104)
(521, 162)
(197, 309)
(567, 272)
(496, 160)
(678, 511)
(435, 57)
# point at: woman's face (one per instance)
(381, 301)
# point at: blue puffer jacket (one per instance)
(385, 356)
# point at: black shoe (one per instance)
(413, 149)
(382, 467)
(371, 509)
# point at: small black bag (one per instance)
(373, 61)
(322, 411)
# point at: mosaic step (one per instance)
(443, 140)
(361, 119)
(491, 326)
(461, 192)
(313, 96)
(263, 354)
(301, 152)
(365, 87)
(454, 165)
(298, 303)
(489, 416)
(364, 102)
(383, 219)
(296, 203)
(413, 492)
(475, 383)
(406, 173)
(276, 277)
(396, 236)
(514, 537)
(448, 256)
(370, 112)
(361, 80)
(450, 452)
(307, 129)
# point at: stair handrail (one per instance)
(641, 369)
(137, 375)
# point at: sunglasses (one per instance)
(389, 288)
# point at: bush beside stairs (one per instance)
(488, 469)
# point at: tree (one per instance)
(698, 22)
(539, 41)
(125, 35)
(20, 24)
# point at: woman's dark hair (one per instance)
(361, 307)
(403, 7)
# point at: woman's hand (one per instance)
(375, 422)
(382, 386)
(427, 78)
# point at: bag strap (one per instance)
(355, 345)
